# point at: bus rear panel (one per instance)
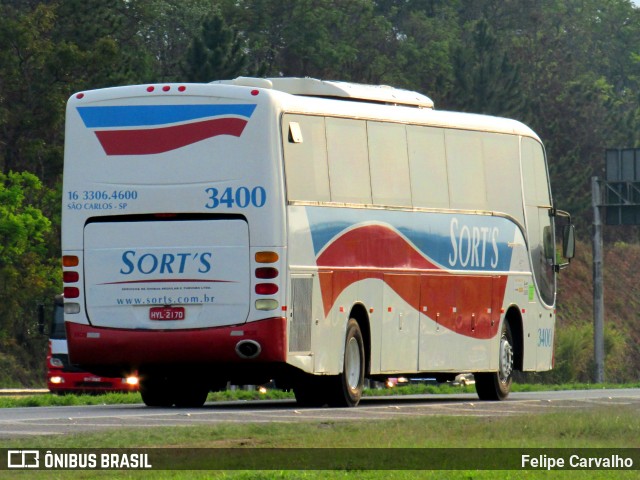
(168, 261)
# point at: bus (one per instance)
(315, 233)
(62, 377)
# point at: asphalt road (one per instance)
(24, 422)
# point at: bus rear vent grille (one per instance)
(300, 334)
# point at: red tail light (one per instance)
(266, 272)
(70, 277)
(71, 292)
(266, 288)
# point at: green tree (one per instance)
(578, 97)
(28, 276)
(217, 53)
(31, 109)
(100, 44)
(485, 79)
(330, 39)
(427, 35)
(166, 29)
(577, 73)
(49, 51)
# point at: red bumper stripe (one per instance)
(112, 346)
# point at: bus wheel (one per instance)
(156, 391)
(310, 391)
(346, 388)
(191, 396)
(497, 385)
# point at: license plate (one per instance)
(166, 313)
(92, 379)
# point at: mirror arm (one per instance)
(560, 213)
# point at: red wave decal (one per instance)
(373, 246)
(158, 140)
(362, 250)
(467, 304)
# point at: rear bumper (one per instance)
(85, 382)
(105, 347)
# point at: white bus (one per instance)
(312, 232)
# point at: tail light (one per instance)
(71, 276)
(266, 273)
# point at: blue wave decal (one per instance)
(149, 115)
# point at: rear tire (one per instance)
(497, 385)
(311, 391)
(192, 396)
(345, 390)
(156, 391)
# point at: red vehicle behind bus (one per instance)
(62, 377)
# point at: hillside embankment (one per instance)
(574, 337)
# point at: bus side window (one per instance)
(305, 158)
(348, 160)
(389, 164)
(467, 186)
(501, 155)
(428, 166)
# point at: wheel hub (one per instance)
(352, 367)
(506, 360)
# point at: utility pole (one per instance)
(598, 284)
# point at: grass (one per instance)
(49, 400)
(600, 427)
(594, 428)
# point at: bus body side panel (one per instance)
(434, 228)
(435, 285)
(321, 351)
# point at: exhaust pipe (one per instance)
(248, 349)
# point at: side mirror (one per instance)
(569, 241)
